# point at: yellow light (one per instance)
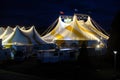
(98, 46)
(98, 40)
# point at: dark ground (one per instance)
(31, 69)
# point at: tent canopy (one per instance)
(76, 29)
(6, 33)
(33, 36)
(17, 38)
(23, 37)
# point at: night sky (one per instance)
(42, 13)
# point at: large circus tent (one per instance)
(77, 28)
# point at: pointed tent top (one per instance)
(33, 26)
(17, 37)
(17, 28)
(1, 30)
(33, 35)
(96, 28)
(8, 26)
(6, 33)
(22, 28)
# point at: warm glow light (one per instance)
(98, 40)
(98, 46)
(115, 52)
(67, 20)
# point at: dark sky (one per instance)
(44, 12)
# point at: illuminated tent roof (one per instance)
(96, 31)
(1, 30)
(16, 38)
(6, 33)
(23, 37)
(76, 29)
(22, 28)
(33, 35)
(59, 27)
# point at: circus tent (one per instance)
(76, 29)
(16, 38)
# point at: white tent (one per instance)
(6, 33)
(72, 31)
(75, 30)
(96, 31)
(1, 30)
(33, 36)
(22, 28)
(16, 38)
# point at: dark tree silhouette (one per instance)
(113, 42)
(114, 33)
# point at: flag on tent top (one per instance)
(61, 12)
